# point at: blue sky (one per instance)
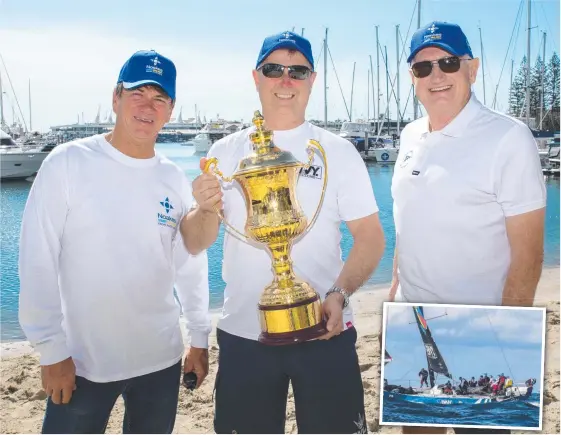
(469, 339)
(72, 51)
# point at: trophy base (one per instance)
(284, 338)
(292, 323)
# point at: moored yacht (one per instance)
(212, 132)
(17, 162)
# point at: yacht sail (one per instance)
(435, 360)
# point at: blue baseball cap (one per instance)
(287, 40)
(446, 36)
(146, 67)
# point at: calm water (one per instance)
(513, 414)
(14, 195)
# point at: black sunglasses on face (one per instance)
(275, 71)
(447, 65)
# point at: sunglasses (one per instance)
(275, 71)
(448, 65)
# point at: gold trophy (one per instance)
(290, 310)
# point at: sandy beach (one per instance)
(23, 401)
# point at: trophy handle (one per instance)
(211, 167)
(314, 144)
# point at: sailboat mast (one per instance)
(542, 80)
(378, 83)
(510, 89)
(30, 127)
(397, 78)
(431, 374)
(528, 66)
(415, 100)
(352, 91)
(325, 79)
(482, 67)
(372, 87)
(368, 97)
(387, 87)
(2, 122)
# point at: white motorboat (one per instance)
(358, 129)
(18, 162)
(202, 142)
(385, 155)
(212, 132)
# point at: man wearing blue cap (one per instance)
(253, 378)
(100, 253)
(469, 196)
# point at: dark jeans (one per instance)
(253, 378)
(150, 404)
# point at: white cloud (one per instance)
(524, 326)
(450, 332)
(399, 315)
(504, 325)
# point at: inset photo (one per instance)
(462, 366)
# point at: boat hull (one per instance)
(385, 155)
(202, 146)
(441, 399)
(20, 165)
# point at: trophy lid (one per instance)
(265, 153)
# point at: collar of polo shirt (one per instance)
(458, 125)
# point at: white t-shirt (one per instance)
(452, 190)
(317, 258)
(100, 252)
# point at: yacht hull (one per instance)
(20, 165)
(446, 400)
(385, 155)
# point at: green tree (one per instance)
(552, 78)
(536, 90)
(551, 121)
(517, 90)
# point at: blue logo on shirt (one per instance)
(166, 204)
(164, 219)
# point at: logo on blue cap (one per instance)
(149, 68)
(287, 40)
(447, 36)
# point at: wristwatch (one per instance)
(345, 294)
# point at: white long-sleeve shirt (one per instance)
(100, 252)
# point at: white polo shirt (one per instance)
(452, 190)
(247, 267)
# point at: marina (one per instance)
(14, 195)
